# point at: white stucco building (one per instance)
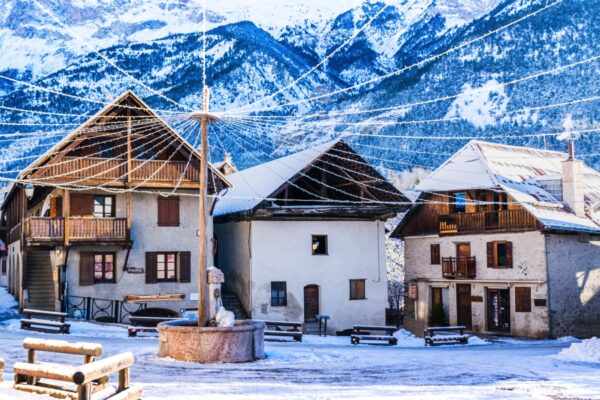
(505, 240)
(106, 221)
(303, 235)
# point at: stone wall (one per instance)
(574, 284)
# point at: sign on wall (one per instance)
(412, 291)
(135, 270)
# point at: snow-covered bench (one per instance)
(362, 333)
(283, 329)
(440, 335)
(145, 324)
(44, 321)
(83, 382)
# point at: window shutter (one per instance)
(82, 204)
(151, 268)
(174, 211)
(509, 258)
(185, 269)
(435, 253)
(523, 299)
(162, 211)
(490, 254)
(86, 269)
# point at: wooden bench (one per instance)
(44, 321)
(448, 335)
(145, 324)
(1, 370)
(283, 329)
(82, 382)
(362, 333)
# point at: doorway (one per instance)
(464, 314)
(498, 310)
(311, 303)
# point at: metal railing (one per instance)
(459, 267)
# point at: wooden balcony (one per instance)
(489, 221)
(87, 170)
(459, 267)
(51, 231)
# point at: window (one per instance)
(523, 299)
(104, 268)
(500, 201)
(319, 245)
(168, 211)
(278, 294)
(435, 254)
(357, 289)
(106, 150)
(460, 202)
(3, 267)
(482, 201)
(166, 267)
(104, 206)
(499, 254)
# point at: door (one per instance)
(311, 303)
(463, 252)
(498, 310)
(464, 315)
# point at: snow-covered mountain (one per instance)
(250, 60)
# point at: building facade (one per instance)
(290, 255)
(105, 223)
(503, 242)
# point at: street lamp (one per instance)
(29, 191)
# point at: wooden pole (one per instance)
(67, 214)
(202, 270)
(128, 195)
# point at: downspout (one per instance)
(378, 253)
(548, 286)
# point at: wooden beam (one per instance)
(67, 214)
(61, 346)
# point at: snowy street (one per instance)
(332, 368)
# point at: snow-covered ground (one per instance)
(331, 368)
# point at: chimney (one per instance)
(572, 182)
(228, 168)
(228, 160)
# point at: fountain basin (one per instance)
(184, 340)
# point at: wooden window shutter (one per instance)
(56, 207)
(185, 268)
(151, 268)
(168, 211)
(82, 204)
(86, 269)
(523, 299)
(509, 257)
(435, 253)
(490, 255)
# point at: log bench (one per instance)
(362, 333)
(44, 321)
(81, 382)
(283, 329)
(1, 370)
(145, 324)
(441, 335)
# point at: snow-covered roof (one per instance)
(251, 186)
(521, 172)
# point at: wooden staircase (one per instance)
(232, 303)
(39, 281)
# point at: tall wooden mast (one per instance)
(205, 118)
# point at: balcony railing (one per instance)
(459, 267)
(81, 229)
(103, 169)
(504, 220)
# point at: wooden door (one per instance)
(463, 250)
(463, 306)
(56, 207)
(498, 310)
(311, 303)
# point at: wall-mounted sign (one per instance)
(477, 299)
(135, 270)
(412, 291)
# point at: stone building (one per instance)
(105, 223)
(505, 239)
(304, 235)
